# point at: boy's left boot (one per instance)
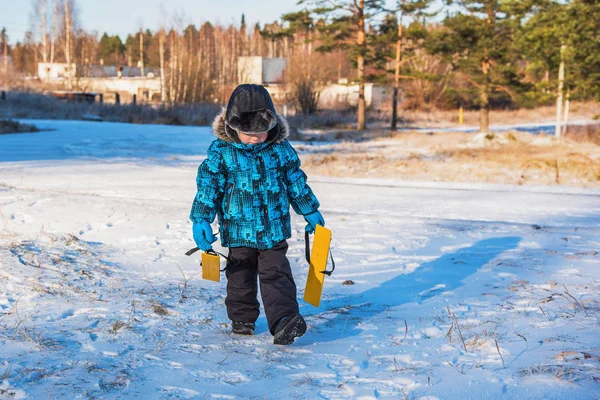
(242, 328)
(288, 329)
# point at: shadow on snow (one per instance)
(430, 279)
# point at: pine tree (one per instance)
(478, 41)
(551, 24)
(343, 26)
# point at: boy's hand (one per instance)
(314, 219)
(203, 235)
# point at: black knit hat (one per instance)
(250, 110)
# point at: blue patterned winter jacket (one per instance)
(250, 188)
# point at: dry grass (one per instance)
(37, 106)
(584, 134)
(27, 104)
(514, 158)
(439, 118)
(559, 372)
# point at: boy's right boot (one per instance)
(289, 328)
(242, 328)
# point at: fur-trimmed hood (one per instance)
(223, 131)
(250, 110)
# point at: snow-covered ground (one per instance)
(459, 291)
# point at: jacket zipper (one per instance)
(230, 197)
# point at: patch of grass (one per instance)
(160, 309)
(117, 326)
(11, 126)
(560, 372)
(511, 158)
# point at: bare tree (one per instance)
(53, 34)
(142, 52)
(4, 41)
(68, 7)
(161, 50)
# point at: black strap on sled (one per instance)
(209, 251)
(307, 243)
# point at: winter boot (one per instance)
(289, 328)
(242, 328)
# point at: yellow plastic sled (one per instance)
(318, 265)
(211, 266)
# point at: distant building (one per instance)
(126, 81)
(145, 89)
(55, 71)
(336, 95)
(261, 70)
(270, 72)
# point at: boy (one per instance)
(249, 179)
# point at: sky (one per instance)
(126, 16)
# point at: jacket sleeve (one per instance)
(210, 183)
(300, 195)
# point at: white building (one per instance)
(126, 81)
(55, 71)
(261, 70)
(339, 95)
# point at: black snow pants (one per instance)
(277, 287)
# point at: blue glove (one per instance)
(313, 219)
(203, 235)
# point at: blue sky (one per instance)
(125, 16)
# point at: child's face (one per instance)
(255, 138)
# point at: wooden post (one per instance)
(559, 97)
(134, 99)
(117, 98)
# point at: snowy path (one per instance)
(460, 291)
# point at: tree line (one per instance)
(476, 54)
